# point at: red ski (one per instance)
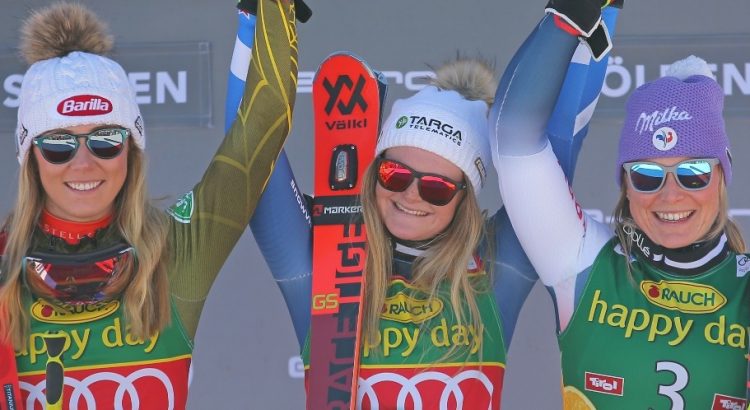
(347, 97)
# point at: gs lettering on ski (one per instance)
(84, 105)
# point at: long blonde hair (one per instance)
(143, 285)
(446, 259)
(623, 221)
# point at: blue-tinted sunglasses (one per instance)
(691, 174)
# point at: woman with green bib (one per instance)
(86, 257)
(652, 315)
(444, 280)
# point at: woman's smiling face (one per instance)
(673, 216)
(406, 215)
(83, 189)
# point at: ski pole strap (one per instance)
(55, 379)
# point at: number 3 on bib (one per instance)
(672, 391)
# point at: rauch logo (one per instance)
(84, 105)
(685, 297)
(406, 309)
(45, 312)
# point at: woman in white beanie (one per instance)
(85, 255)
(653, 314)
(436, 324)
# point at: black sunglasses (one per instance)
(59, 147)
(435, 189)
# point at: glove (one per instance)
(584, 18)
(582, 15)
(301, 9)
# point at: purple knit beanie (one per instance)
(678, 115)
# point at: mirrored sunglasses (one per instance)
(59, 148)
(691, 174)
(435, 189)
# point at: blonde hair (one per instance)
(445, 261)
(143, 285)
(447, 258)
(623, 221)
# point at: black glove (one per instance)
(301, 9)
(585, 16)
(582, 15)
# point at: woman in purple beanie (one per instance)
(655, 314)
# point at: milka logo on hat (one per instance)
(84, 105)
(649, 121)
(402, 121)
(664, 139)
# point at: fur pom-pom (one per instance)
(60, 29)
(689, 66)
(473, 78)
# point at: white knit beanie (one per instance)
(445, 123)
(73, 85)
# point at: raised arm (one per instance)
(281, 223)
(209, 220)
(566, 129)
(549, 223)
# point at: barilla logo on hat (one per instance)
(664, 139)
(647, 122)
(84, 105)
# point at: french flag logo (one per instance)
(664, 139)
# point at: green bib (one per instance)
(413, 361)
(656, 340)
(103, 364)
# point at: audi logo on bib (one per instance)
(438, 388)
